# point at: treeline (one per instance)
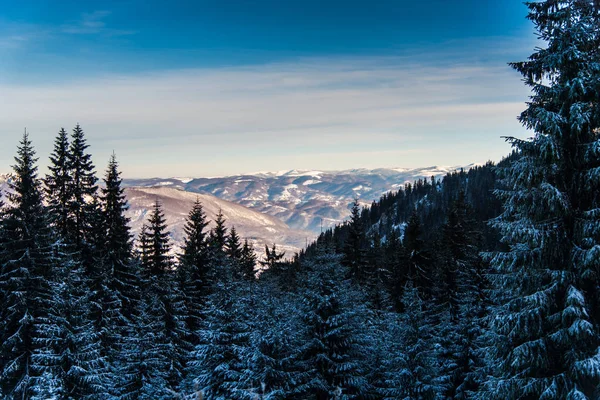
(87, 313)
(385, 306)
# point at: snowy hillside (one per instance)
(259, 228)
(302, 199)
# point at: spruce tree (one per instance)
(195, 247)
(218, 361)
(58, 184)
(416, 259)
(72, 359)
(417, 379)
(159, 258)
(332, 354)
(546, 343)
(194, 270)
(271, 369)
(28, 265)
(355, 245)
(144, 365)
(218, 235)
(461, 299)
(248, 261)
(116, 244)
(164, 304)
(273, 258)
(233, 246)
(82, 189)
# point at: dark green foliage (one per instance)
(58, 185)
(418, 264)
(28, 266)
(157, 257)
(248, 261)
(72, 357)
(218, 235)
(355, 245)
(234, 246)
(195, 248)
(397, 303)
(194, 271)
(115, 241)
(332, 352)
(273, 258)
(117, 237)
(546, 330)
(163, 305)
(82, 188)
(219, 359)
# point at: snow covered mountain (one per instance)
(301, 199)
(259, 228)
(287, 207)
(176, 203)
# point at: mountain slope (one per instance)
(260, 228)
(302, 199)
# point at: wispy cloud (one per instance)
(13, 41)
(93, 23)
(198, 118)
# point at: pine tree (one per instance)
(417, 261)
(248, 261)
(72, 356)
(417, 378)
(273, 258)
(355, 245)
(57, 185)
(218, 235)
(234, 247)
(82, 189)
(332, 351)
(461, 299)
(118, 241)
(159, 258)
(144, 365)
(194, 270)
(546, 343)
(218, 361)
(116, 244)
(164, 304)
(271, 367)
(25, 280)
(195, 248)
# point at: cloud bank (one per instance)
(325, 113)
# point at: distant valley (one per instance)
(287, 208)
(293, 205)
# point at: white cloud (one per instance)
(93, 23)
(226, 120)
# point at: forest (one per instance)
(483, 284)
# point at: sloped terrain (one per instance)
(302, 199)
(259, 228)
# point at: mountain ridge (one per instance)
(303, 199)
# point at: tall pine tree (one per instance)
(218, 235)
(117, 245)
(546, 332)
(28, 265)
(82, 189)
(194, 269)
(58, 184)
(355, 249)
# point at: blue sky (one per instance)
(207, 88)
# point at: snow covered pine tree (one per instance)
(546, 332)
